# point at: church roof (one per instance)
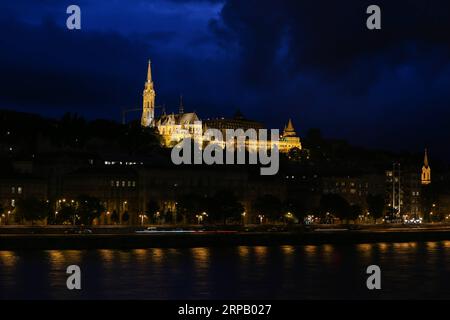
(289, 129)
(178, 119)
(425, 159)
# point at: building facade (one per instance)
(173, 128)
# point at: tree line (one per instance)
(224, 207)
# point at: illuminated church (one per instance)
(174, 127)
(425, 176)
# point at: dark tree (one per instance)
(152, 209)
(224, 206)
(67, 213)
(139, 140)
(297, 207)
(88, 208)
(375, 204)
(71, 131)
(354, 212)
(269, 206)
(31, 209)
(189, 206)
(2, 211)
(115, 219)
(125, 217)
(295, 154)
(335, 205)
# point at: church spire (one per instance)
(289, 130)
(426, 170)
(425, 159)
(148, 103)
(181, 108)
(149, 71)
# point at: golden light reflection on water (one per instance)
(404, 245)
(107, 254)
(288, 250)
(124, 256)
(244, 252)
(328, 253)
(432, 245)
(288, 255)
(365, 249)
(310, 250)
(141, 254)
(383, 247)
(328, 248)
(56, 258)
(60, 259)
(200, 254)
(157, 255)
(446, 244)
(201, 257)
(8, 258)
(260, 252)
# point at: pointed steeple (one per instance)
(426, 170)
(181, 108)
(425, 159)
(148, 103)
(149, 71)
(290, 126)
(289, 129)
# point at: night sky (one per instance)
(314, 61)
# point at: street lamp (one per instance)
(261, 218)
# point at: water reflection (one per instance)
(311, 250)
(157, 255)
(243, 252)
(106, 254)
(201, 257)
(8, 259)
(366, 250)
(410, 270)
(383, 247)
(260, 253)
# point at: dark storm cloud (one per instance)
(46, 65)
(318, 58)
(95, 71)
(314, 61)
(330, 36)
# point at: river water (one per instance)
(408, 270)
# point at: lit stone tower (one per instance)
(289, 139)
(148, 106)
(426, 170)
(289, 130)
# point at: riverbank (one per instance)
(212, 239)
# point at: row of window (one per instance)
(351, 191)
(126, 163)
(352, 184)
(123, 183)
(16, 189)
